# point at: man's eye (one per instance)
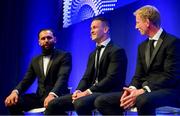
(48, 37)
(43, 38)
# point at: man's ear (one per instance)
(148, 22)
(106, 29)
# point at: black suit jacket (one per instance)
(162, 71)
(112, 71)
(56, 79)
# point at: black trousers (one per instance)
(83, 105)
(109, 104)
(25, 103)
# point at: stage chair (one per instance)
(95, 112)
(35, 111)
(167, 110)
(132, 111)
(161, 111)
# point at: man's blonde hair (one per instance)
(151, 13)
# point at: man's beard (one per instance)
(47, 51)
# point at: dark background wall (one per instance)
(10, 43)
(20, 21)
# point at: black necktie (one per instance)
(98, 51)
(151, 43)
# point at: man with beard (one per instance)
(51, 68)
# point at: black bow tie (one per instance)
(99, 47)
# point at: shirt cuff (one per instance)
(132, 87)
(147, 88)
(89, 91)
(16, 91)
(52, 93)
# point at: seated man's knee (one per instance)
(15, 110)
(52, 103)
(79, 104)
(145, 105)
(143, 101)
(52, 106)
(99, 102)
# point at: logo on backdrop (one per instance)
(75, 11)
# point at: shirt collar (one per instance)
(104, 43)
(157, 35)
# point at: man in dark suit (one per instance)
(156, 81)
(51, 68)
(105, 72)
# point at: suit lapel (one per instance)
(159, 43)
(53, 56)
(105, 52)
(93, 59)
(41, 66)
(147, 54)
(91, 63)
(49, 64)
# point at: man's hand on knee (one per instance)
(12, 99)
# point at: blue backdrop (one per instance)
(123, 33)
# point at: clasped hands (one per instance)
(128, 99)
(78, 94)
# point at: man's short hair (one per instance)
(151, 13)
(104, 20)
(46, 30)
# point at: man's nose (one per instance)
(46, 39)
